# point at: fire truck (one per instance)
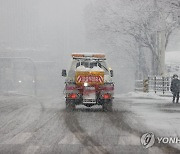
(89, 82)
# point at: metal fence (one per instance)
(156, 84)
(159, 84)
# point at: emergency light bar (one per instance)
(79, 55)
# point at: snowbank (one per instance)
(158, 114)
(140, 95)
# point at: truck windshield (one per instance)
(91, 64)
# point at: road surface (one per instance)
(42, 126)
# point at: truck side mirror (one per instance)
(64, 73)
(111, 73)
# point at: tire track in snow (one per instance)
(87, 141)
(119, 119)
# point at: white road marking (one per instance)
(129, 140)
(19, 138)
(69, 139)
(31, 149)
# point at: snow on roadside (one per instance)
(140, 95)
(157, 113)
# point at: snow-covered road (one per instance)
(29, 125)
(158, 114)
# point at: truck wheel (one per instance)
(107, 106)
(70, 106)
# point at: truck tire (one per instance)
(107, 106)
(70, 106)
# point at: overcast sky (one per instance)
(50, 30)
(55, 26)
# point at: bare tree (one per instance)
(148, 24)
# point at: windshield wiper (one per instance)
(103, 66)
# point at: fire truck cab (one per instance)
(89, 82)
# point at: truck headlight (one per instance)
(85, 84)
